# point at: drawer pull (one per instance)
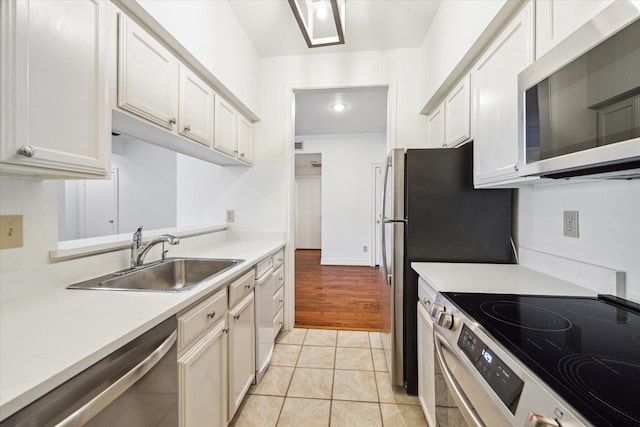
(237, 316)
(280, 301)
(281, 279)
(225, 330)
(211, 315)
(247, 286)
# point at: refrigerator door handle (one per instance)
(385, 265)
(389, 221)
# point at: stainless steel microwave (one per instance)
(580, 102)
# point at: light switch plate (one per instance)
(570, 224)
(10, 231)
(231, 216)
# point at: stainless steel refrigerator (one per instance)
(432, 213)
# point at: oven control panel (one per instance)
(500, 378)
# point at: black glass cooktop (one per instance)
(586, 349)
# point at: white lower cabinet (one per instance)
(426, 366)
(202, 373)
(202, 363)
(241, 351)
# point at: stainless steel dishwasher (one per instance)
(137, 385)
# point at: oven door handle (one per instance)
(466, 408)
(111, 393)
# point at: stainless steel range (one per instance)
(525, 360)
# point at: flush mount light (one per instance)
(318, 26)
(338, 107)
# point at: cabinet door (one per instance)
(426, 366)
(147, 76)
(225, 124)
(55, 119)
(495, 79)
(556, 19)
(436, 127)
(202, 373)
(196, 103)
(242, 353)
(457, 119)
(245, 139)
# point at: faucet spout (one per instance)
(165, 238)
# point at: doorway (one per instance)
(337, 281)
(308, 201)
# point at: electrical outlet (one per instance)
(231, 216)
(10, 231)
(570, 224)
(365, 249)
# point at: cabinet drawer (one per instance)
(241, 288)
(278, 258)
(194, 322)
(279, 275)
(278, 321)
(278, 299)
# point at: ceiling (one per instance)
(370, 25)
(366, 111)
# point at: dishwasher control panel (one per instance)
(496, 373)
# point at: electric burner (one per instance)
(526, 316)
(596, 377)
(586, 349)
(605, 313)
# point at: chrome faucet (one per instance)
(139, 251)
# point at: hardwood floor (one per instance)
(340, 297)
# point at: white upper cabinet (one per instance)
(457, 117)
(496, 102)
(55, 119)
(234, 132)
(147, 76)
(196, 105)
(556, 19)
(245, 139)
(226, 122)
(178, 106)
(436, 127)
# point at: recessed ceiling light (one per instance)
(338, 107)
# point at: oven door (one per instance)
(476, 404)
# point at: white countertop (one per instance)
(49, 337)
(494, 278)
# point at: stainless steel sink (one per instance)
(170, 275)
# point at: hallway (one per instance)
(339, 297)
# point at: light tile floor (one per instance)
(328, 378)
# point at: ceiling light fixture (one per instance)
(317, 30)
(338, 107)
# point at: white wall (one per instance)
(455, 28)
(609, 224)
(211, 32)
(347, 195)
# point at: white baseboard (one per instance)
(595, 277)
(342, 261)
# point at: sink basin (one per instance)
(172, 274)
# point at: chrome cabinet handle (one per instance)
(101, 401)
(172, 121)
(236, 317)
(27, 151)
(211, 315)
(247, 286)
(187, 128)
(466, 408)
